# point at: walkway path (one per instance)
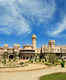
(30, 75)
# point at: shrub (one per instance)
(62, 63)
(21, 63)
(52, 58)
(31, 61)
(4, 61)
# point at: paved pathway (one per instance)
(30, 75)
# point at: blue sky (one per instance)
(19, 19)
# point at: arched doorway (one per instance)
(11, 56)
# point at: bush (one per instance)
(42, 60)
(49, 64)
(62, 63)
(31, 61)
(52, 58)
(4, 61)
(21, 63)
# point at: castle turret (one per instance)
(51, 43)
(34, 41)
(16, 46)
(5, 46)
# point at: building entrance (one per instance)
(11, 56)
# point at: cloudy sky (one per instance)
(19, 19)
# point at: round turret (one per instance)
(5, 45)
(33, 36)
(16, 45)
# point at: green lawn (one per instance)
(55, 76)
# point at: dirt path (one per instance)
(30, 75)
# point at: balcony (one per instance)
(27, 51)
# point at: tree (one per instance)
(52, 58)
(5, 56)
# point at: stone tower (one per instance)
(34, 41)
(5, 46)
(51, 43)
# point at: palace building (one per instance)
(52, 48)
(29, 51)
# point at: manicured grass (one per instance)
(55, 76)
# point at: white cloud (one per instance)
(61, 26)
(42, 9)
(11, 20)
(11, 14)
